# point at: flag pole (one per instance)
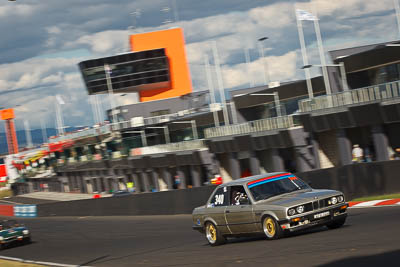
(220, 83)
(322, 54)
(211, 89)
(305, 57)
(397, 8)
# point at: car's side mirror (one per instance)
(244, 201)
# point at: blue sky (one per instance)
(43, 40)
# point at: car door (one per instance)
(240, 217)
(216, 208)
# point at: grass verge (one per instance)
(5, 193)
(390, 196)
(6, 263)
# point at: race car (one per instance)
(269, 204)
(13, 232)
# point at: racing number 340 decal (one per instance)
(219, 199)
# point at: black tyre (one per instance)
(213, 235)
(336, 224)
(271, 228)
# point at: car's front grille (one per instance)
(323, 203)
(315, 205)
(308, 207)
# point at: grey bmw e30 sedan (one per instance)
(270, 204)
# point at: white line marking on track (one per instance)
(12, 202)
(39, 262)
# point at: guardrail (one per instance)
(269, 124)
(171, 147)
(356, 96)
(105, 129)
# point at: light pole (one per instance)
(220, 82)
(107, 70)
(166, 132)
(211, 89)
(342, 73)
(397, 8)
(262, 56)
(194, 127)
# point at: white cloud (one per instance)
(279, 68)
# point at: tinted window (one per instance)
(220, 198)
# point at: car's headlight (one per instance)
(340, 199)
(300, 209)
(291, 212)
(334, 200)
(1, 238)
(25, 232)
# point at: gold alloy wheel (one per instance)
(269, 227)
(211, 233)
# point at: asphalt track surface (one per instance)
(370, 237)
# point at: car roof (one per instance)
(244, 181)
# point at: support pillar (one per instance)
(195, 172)
(154, 176)
(98, 184)
(182, 177)
(344, 146)
(145, 181)
(234, 166)
(71, 183)
(254, 163)
(106, 185)
(136, 182)
(166, 173)
(114, 184)
(380, 143)
(315, 151)
(277, 160)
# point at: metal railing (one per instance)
(269, 124)
(105, 129)
(352, 97)
(108, 128)
(171, 147)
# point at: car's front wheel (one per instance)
(336, 224)
(213, 235)
(271, 228)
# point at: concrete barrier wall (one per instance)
(357, 180)
(160, 203)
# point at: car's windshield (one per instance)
(272, 186)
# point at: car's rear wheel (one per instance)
(336, 224)
(213, 235)
(271, 228)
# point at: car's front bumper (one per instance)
(17, 238)
(309, 220)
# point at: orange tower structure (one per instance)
(172, 40)
(8, 116)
